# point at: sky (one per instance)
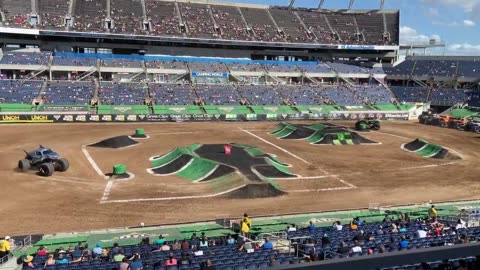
(453, 22)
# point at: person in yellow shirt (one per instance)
(4, 247)
(432, 212)
(245, 224)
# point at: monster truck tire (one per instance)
(46, 169)
(443, 124)
(376, 125)
(422, 120)
(24, 165)
(62, 165)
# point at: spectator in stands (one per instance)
(360, 236)
(165, 247)
(27, 262)
(358, 221)
(462, 265)
(325, 241)
(4, 246)
(119, 257)
(185, 244)
(160, 240)
(230, 240)
(85, 257)
(176, 245)
(311, 227)
(194, 241)
(247, 246)
(185, 259)
(353, 225)
(60, 250)
(203, 242)
(356, 247)
(446, 265)
(425, 266)
(421, 232)
(124, 264)
(136, 263)
(49, 261)
(274, 262)
(97, 249)
(208, 265)
(343, 249)
(338, 225)
(61, 260)
(171, 260)
(432, 212)
(387, 219)
(403, 243)
(267, 244)
(42, 251)
(460, 224)
(71, 249)
(379, 230)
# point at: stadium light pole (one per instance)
(350, 5)
(291, 3)
(320, 5)
(382, 3)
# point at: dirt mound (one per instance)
(254, 191)
(415, 145)
(173, 166)
(118, 176)
(221, 171)
(271, 172)
(357, 139)
(299, 133)
(140, 136)
(115, 142)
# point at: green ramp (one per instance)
(430, 150)
(161, 161)
(198, 169)
(287, 130)
(279, 127)
(316, 137)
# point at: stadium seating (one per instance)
(52, 14)
(16, 12)
(410, 94)
(231, 23)
(14, 91)
(260, 94)
(121, 63)
(89, 16)
(198, 20)
(320, 68)
(68, 93)
(25, 58)
(282, 68)
(246, 67)
(217, 94)
(439, 68)
(473, 99)
(74, 61)
(261, 24)
(127, 16)
(348, 69)
(317, 24)
(162, 18)
(370, 24)
(169, 94)
(340, 95)
(207, 67)
(301, 95)
(373, 94)
(447, 97)
(166, 64)
(403, 69)
(121, 93)
(290, 25)
(469, 69)
(344, 26)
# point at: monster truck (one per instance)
(43, 159)
(367, 124)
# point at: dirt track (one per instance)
(70, 201)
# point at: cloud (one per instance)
(466, 23)
(464, 49)
(432, 12)
(471, 7)
(409, 35)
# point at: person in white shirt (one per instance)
(460, 224)
(421, 233)
(356, 248)
(338, 225)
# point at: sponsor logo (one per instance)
(94, 118)
(226, 109)
(10, 117)
(284, 116)
(68, 118)
(81, 118)
(362, 116)
(38, 117)
(354, 116)
(132, 117)
(379, 115)
(271, 109)
(371, 115)
(217, 116)
(180, 109)
(107, 118)
(122, 109)
(57, 117)
(141, 116)
(120, 117)
(396, 115)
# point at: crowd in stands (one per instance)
(74, 61)
(16, 91)
(89, 15)
(163, 18)
(20, 58)
(301, 94)
(447, 97)
(260, 23)
(348, 69)
(439, 68)
(359, 238)
(246, 67)
(317, 24)
(230, 22)
(339, 94)
(16, 12)
(127, 16)
(68, 93)
(166, 64)
(260, 94)
(111, 93)
(473, 99)
(217, 94)
(52, 14)
(373, 94)
(207, 67)
(171, 94)
(198, 20)
(282, 68)
(292, 29)
(121, 63)
(320, 68)
(410, 94)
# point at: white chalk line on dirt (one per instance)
(174, 198)
(394, 135)
(107, 190)
(321, 189)
(174, 133)
(297, 157)
(92, 162)
(66, 180)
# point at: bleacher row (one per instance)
(436, 68)
(210, 21)
(115, 93)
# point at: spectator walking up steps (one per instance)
(4, 247)
(245, 224)
(432, 212)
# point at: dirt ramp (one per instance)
(430, 150)
(115, 142)
(254, 191)
(415, 145)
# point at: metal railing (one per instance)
(17, 246)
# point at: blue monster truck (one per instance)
(43, 159)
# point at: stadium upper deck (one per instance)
(218, 21)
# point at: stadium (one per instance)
(188, 135)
